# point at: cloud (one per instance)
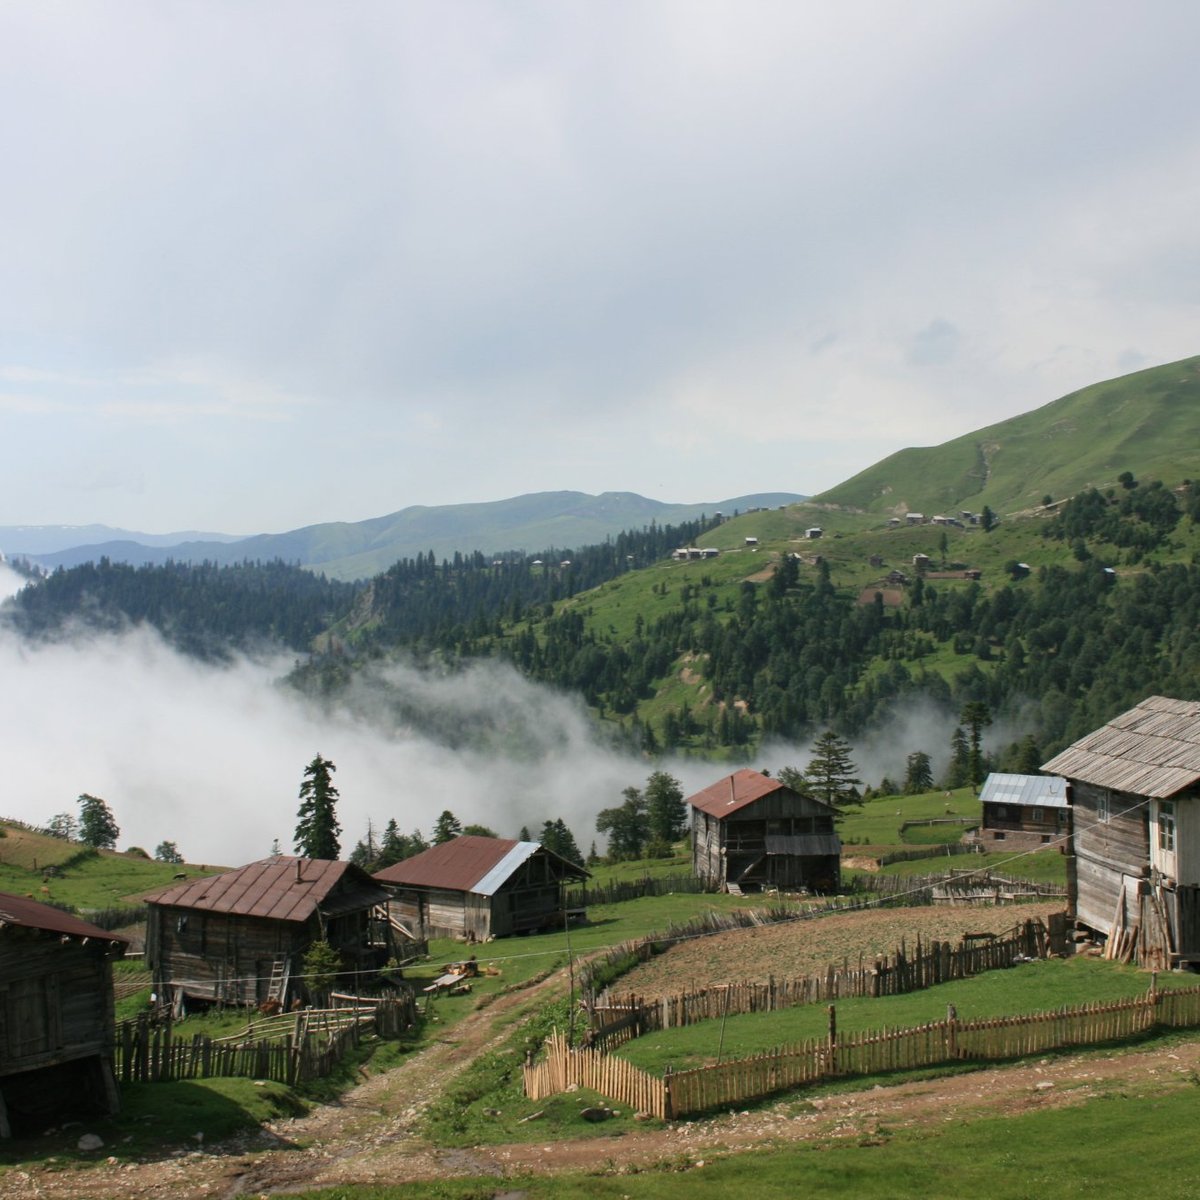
(211, 757)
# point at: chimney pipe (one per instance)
(299, 861)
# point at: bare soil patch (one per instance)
(801, 948)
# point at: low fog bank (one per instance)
(211, 756)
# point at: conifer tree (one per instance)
(317, 827)
(830, 773)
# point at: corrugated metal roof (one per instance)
(736, 791)
(470, 863)
(1044, 791)
(1151, 750)
(31, 914)
(458, 864)
(280, 888)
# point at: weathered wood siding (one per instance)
(218, 956)
(56, 1023)
(1111, 854)
(734, 849)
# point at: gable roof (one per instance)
(1151, 750)
(31, 914)
(469, 863)
(736, 791)
(280, 888)
(1045, 791)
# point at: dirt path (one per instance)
(371, 1136)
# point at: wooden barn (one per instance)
(240, 937)
(56, 1016)
(1133, 871)
(1024, 812)
(749, 830)
(479, 887)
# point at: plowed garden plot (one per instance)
(799, 948)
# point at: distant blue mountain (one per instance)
(357, 550)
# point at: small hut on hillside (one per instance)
(56, 1016)
(479, 887)
(239, 937)
(749, 830)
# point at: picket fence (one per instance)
(288, 1049)
(679, 1093)
(615, 1021)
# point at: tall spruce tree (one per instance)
(976, 716)
(317, 827)
(830, 775)
(918, 775)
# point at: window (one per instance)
(1035, 815)
(1103, 808)
(1166, 826)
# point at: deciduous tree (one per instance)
(97, 826)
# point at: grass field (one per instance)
(1029, 987)
(1121, 1143)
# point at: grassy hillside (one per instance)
(1148, 422)
(55, 870)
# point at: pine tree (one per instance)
(918, 776)
(830, 773)
(557, 838)
(446, 827)
(97, 826)
(317, 828)
(958, 771)
(975, 716)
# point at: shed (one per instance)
(240, 937)
(56, 1016)
(1133, 871)
(480, 887)
(751, 830)
(1024, 812)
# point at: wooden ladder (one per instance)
(277, 988)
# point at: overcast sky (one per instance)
(269, 264)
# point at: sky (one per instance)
(273, 264)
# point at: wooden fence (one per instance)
(979, 885)
(289, 1048)
(617, 890)
(618, 1020)
(678, 1093)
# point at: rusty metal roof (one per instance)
(31, 914)
(736, 791)
(280, 888)
(1151, 750)
(470, 863)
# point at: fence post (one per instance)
(668, 1105)
(832, 1040)
(952, 1030)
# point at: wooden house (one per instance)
(240, 937)
(1023, 812)
(749, 830)
(56, 1016)
(479, 887)
(1133, 868)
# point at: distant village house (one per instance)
(240, 937)
(751, 831)
(480, 887)
(1024, 812)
